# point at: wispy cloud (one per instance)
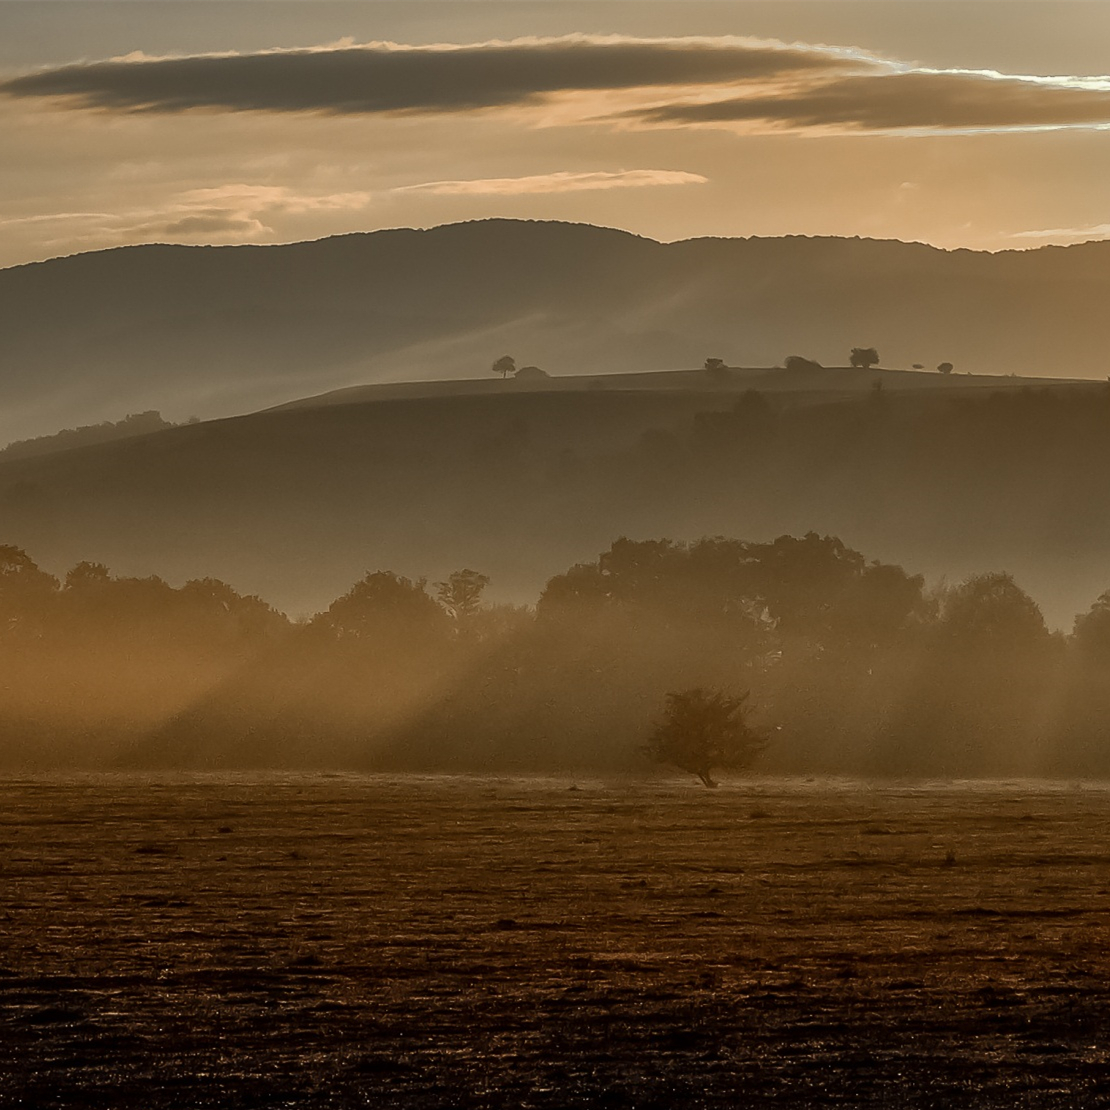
(226, 213)
(565, 182)
(255, 198)
(1091, 231)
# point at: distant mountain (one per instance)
(216, 330)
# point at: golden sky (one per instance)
(972, 123)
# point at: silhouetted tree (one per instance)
(385, 606)
(945, 368)
(864, 357)
(1091, 633)
(703, 730)
(87, 576)
(991, 613)
(461, 594)
(504, 366)
(25, 590)
(134, 424)
(220, 608)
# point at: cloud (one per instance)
(383, 77)
(726, 82)
(275, 198)
(213, 223)
(232, 212)
(1092, 231)
(555, 183)
(54, 217)
(911, 100)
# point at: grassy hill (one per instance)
(217, 330)
(947, 476)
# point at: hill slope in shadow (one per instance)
(297, 503)
(217, 330)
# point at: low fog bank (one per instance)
(854, 669)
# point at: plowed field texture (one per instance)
(345, 941)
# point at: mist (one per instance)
(852, 665)
(554, 555)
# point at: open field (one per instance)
(415, 942)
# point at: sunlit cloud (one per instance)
(565, 182)
(275, 198)
(726, 82)
(906, 101)
(53, 217)
(1092, 231)
(225, 213)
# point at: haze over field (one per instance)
(679, 227)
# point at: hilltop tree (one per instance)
(796, 364)
(864, 357)
(944, 368)
(504, 366)
(702, 730)
(531, 374)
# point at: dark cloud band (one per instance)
(385, 78)
(915, 100)
(725, 82)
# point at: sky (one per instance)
(972, 123)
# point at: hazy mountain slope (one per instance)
(212, 331)
(296, 504)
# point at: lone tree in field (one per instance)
(504, 366)
(702, 730)
(945, 368)
(864, 357)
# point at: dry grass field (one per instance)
(341, 941)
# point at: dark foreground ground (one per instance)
(436, 942)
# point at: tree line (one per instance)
(848, 666)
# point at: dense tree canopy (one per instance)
(857, 667)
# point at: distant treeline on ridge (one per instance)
(853, 667)
(133, 424)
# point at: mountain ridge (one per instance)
(212, 331)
